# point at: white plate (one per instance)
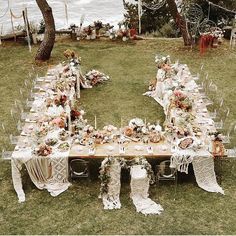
(138, 148)
(110, 148)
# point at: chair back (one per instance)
(6, 155)
(78, 168)
(164, 171)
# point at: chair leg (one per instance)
(219, 168)
(158, 187)
(176, 182)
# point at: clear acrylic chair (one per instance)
(206, 94)
(226, 139)
(14, 139)
(219, 125)
(19, 107)
(29, 103)
(14, 115)
(4, 131)
(165, 173)
(231, 152)
(218, 108)
(19, 126)
(212, 89)
(202, 67)
(212, 108)
(6, 155)
(79, 168)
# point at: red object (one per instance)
(74, 114)
(63, 99)
(205, 42)
(133, 33)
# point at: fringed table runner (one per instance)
(139, 192)
(205, 175)
(110, 187)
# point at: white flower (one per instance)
(90, 129)
(82, 112)
(158, 128)
(144, 130)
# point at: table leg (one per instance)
(16, 167)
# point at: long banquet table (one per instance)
(51, 172)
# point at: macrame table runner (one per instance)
(139, 192)
(205, 175)
(49, 173)
(111, 199)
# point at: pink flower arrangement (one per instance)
(182, 101)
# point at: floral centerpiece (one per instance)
(182, 101)
(43, 150)
(74, 60)
(95, 77)
(218, 149)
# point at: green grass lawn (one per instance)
(79, 211)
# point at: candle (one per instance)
(145, 121)
(68, 110)
(69, 124)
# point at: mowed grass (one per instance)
(79, 211)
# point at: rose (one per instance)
(59, 122)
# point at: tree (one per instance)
(180, 21)
(45, 48)
(153, 20)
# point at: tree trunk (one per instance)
(180, 21)
(45, 48)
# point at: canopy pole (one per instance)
(140, 15)
(12, 26)
(209, 10)
(27, 28)
(1, 35)
(66, 12)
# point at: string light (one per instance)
(223, 8)
(193, 13)
(156, 6)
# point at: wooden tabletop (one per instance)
(132, 149)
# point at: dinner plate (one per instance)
(110, 148)
(138, 148)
